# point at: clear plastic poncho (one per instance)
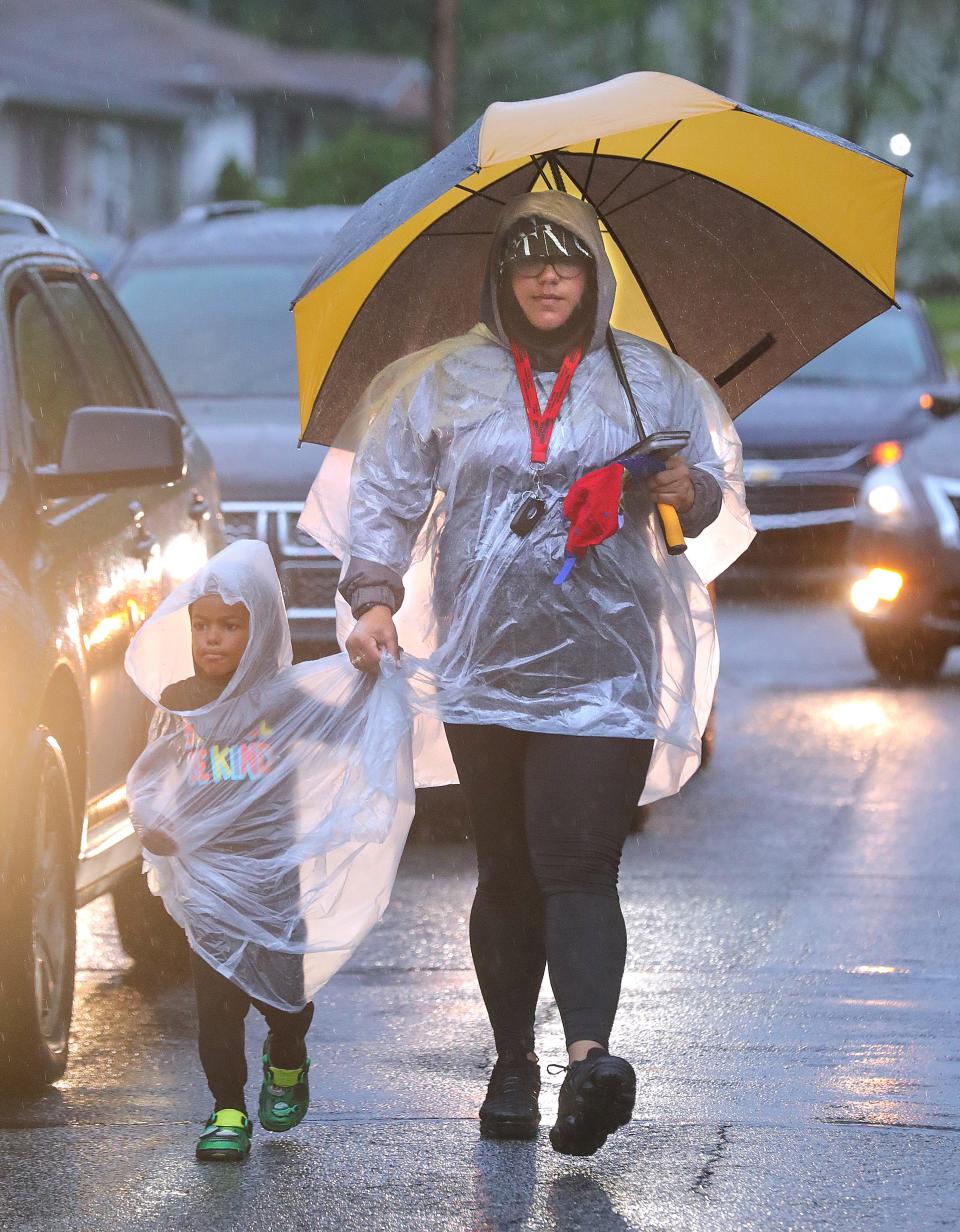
(425, 479)
(288, 797)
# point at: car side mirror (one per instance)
(942, 405)
(110, 447)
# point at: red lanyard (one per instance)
(541, 422)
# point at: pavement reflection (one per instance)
(791, 1002)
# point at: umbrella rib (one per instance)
(633, 270)
(478, 192)
(554, 165)
(650, 191)
(638, 161)
(593, 161)
(643, 158)
(541, 174)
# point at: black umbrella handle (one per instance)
(669, 518)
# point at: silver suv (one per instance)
(210, 294)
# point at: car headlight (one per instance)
(183, 556)
(885, 498)
(878, 587)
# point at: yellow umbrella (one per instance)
(745, 242)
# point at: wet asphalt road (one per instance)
(791, 1002)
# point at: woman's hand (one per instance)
(158, 843)
(374, 632)
(673, 486)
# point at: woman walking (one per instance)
(564, 688)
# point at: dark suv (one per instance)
(107, 499)
(210, 294)
(808, 444)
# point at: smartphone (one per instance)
(659, 445)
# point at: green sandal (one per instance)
(226, 1136)
(284, 1094)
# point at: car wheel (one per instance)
(151, 937)
(40, 929)
(904, 656)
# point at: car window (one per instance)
(51, 385)
(94, 340)
(218, 330)
(888, 350)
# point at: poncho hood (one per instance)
(577, 216)
(161, 654)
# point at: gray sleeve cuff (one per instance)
(707, 502)
(368, 582)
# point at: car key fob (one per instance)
(528, 515)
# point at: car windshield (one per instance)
(218, 330)
(886, 351)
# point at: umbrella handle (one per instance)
(672, 530)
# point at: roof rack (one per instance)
(219, 209)
(24, 219)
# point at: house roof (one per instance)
(139, 57)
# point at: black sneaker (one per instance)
(596, 1099)
(511, 1109)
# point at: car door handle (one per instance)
(199, 509)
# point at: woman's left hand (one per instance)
(673, 486)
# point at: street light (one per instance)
(900, 145)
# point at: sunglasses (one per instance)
(533, 267)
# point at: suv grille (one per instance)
(797, 498)
(309, 575)
(313, 587)
(240, 526)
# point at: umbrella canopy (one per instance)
(745, 242)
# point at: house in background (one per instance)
(115, 114)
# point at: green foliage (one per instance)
(350, 168)
(235, 184)
(944, 316)
(930, 248)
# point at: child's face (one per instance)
(220, 633)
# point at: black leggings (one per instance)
(221, 1009)
(550, 815)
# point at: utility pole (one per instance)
(443, 67)
(739, 49)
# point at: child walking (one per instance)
(267, 829)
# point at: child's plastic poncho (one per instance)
(288, 797)
(431, 469)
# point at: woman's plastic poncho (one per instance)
(288, 797)
(425, 481)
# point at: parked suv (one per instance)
(107, 500)
(210, 294)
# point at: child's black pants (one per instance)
(221, 1009)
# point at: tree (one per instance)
(235, 184)
(350, 168)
